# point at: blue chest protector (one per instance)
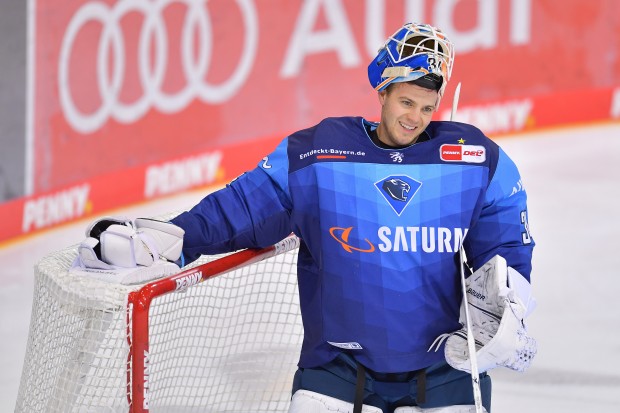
(381, 228)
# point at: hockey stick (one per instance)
(471, 345)
(455, 101)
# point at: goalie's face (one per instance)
(406, 111)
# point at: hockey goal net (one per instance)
(191, 342)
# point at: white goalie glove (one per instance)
(499, 301)
(118, 250)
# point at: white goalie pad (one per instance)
(305, 401)
(499, 300)
(461, 408)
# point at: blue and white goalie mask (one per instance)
(415, 51)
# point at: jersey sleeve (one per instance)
(502, 227)
(253, 211)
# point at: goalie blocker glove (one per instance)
(167, 237)
(117, 250)
(499, 299)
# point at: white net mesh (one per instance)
(230, 343)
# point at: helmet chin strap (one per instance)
(430, 81)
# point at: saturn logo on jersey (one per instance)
(398, 190)
(342, 236)
(423, 239)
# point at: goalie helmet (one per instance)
(415, 52)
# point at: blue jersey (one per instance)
(380, 228)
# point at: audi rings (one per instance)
(151, 75)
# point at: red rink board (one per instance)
(117, 119)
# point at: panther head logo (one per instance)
(398, 191)
(396, 188)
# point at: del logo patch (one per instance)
(463, 153)
(398, 190)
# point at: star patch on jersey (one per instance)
(463, 153)
(398, 190)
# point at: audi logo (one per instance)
(152, 61)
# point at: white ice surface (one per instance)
(573, 181)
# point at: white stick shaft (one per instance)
(471, 345)
(455, 101)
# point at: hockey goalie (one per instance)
(386, 213)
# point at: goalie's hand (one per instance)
(167, 237)
(120, 242)
(115, 245)
(499, 300)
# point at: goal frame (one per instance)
(139, 303)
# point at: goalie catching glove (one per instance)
(118, 250)
(499, 300)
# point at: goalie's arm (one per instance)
(500, 295)
(502, 227)
(252, 211)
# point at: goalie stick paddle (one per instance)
(471, 345)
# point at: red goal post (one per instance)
(188, 342)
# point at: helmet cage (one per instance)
(415, 50)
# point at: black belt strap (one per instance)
(421, 377)
(361, 382)
(359, 389)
